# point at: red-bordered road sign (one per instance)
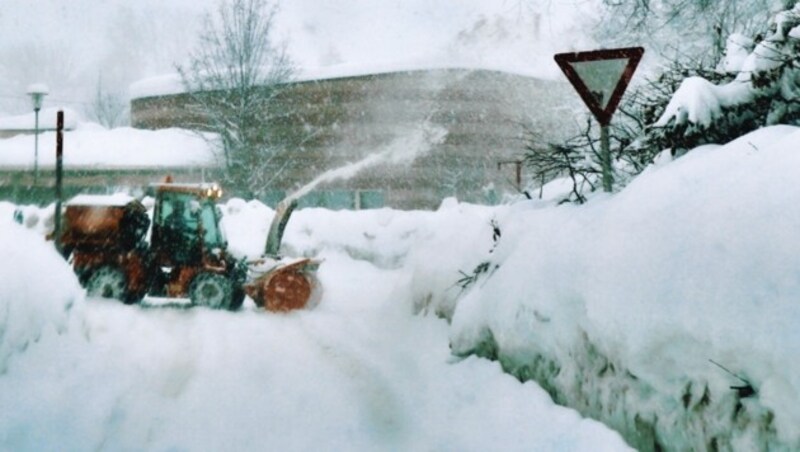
(601, 77)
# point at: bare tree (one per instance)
(108, 108)
(685, 28)
(233, 79)
(577, 158)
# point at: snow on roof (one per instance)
(91, 145)
(117, 199)
(37, 88)
(169, 84)
(47, 120)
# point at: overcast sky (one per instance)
(72, 46)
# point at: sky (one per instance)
(76, 46)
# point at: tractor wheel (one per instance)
(212, 291)
(107, 282)
(238, 298)
(133, 298)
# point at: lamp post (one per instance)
(37, 91)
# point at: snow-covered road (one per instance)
(359, 372)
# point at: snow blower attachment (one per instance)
(186, 255)
(283, 284)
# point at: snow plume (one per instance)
(401, 151)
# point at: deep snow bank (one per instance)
(617, 307)
(91, 145)
(381, 236)
(38, 290)
(385, 237)
(356, 373)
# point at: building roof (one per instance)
(170, 84)
(47, 120)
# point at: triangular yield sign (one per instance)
(601, 77)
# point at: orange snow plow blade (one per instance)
(285, 286)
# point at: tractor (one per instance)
(117, 254)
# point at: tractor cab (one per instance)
(186, 224)
(187, 241)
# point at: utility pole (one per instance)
(518, 171)
(59, 178)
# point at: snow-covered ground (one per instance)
(359, 372)
(626, 308)
(630, 307)
(668, 311)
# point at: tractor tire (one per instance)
(133, 298)
(238, 298)
(212, 291)
(107, 282)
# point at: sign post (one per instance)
(600, 77)
(59, 176)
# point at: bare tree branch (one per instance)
(234, 78)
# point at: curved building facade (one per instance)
(445, 132)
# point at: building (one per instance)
(475, 115)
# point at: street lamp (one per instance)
(37, 91)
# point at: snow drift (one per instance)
(359, 372)
(668, 311)
(38, 290)
(90, 145)
(619, 307)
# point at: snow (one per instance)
(171, 83)
(404, 149)
(91, 145)
(359, 372)
(159, 85)
(117, 199)
(29, 310)
(737, 49)
(698, 101)
(692, 262)
(47, 120)
(37, 88)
